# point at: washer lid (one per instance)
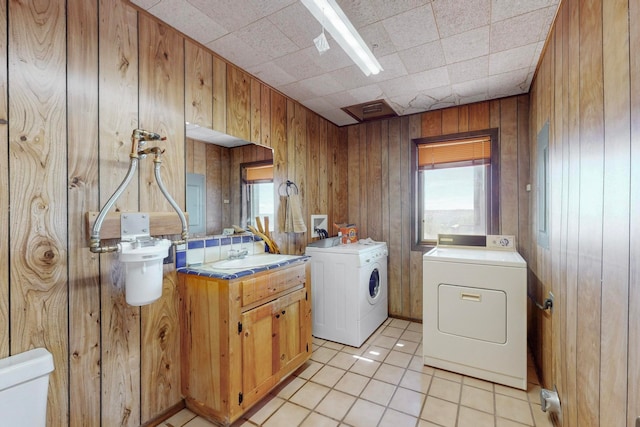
(351, 248)
(476, 256)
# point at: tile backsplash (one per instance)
(207, 249)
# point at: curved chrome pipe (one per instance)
(94, 245)
(185, 227)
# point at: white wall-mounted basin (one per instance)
(248, 262)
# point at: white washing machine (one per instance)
(475, 313)
(349, 289)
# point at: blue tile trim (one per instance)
(230, 276)
(181, 259)
(195, 244)
(212, 242)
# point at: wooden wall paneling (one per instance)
(633, 386)
(479, 116)
(573, 206)
(199, 162)
(324, 179)
(84, 271)
(298, 241)
(374, 174)
(280, 173)
(395, 194)
(38, 217)
(265, 116)
(217, 187)
(255, 110)
(450, 120)
(524, 175)
(363, 153)
(332, 173)
(314, 177)
(463, 118)
(4, 187)
(590, 217)
(219, 94)
(615, 215)
(236, 157)
(341, 159)
(198, 88)
(431, 123)
(162, 100)
(384, 181)
(509, 166)
(118, 98)
(415, 272)
(405, 212)
(353, 153)
(238, 103)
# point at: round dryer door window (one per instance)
(374, 285)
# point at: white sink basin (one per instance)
(248, 262)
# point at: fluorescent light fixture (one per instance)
(329, 14)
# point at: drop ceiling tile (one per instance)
(297, 23)
(399, 86)
(472, 69)
(338, 117)
(359, 12)
(237, 51)
(508, 34)
(392, 68)
(318, 104)
(365, 94)
(146, 4)
(509, 83)
(412, 28)
(341, 99)
(298, 91)
(471, 88)
(468, 45)
(386, 8)
(301, 64)
(453, 18)
(191, 21)
(423, 57)
(502, 10)
(320, 86)
(263, 36)
(377, 39)
(270, 72)
(351, 77)
(431, 79)
(512, 59)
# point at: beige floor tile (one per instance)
(287, 415)
(288, 387)
(541, 418)
(354, 350)
(199, 422)
(477, 398)
(416, 381)
(478, 383)
(309, 395)
(398, 358)
(352, 383)
(423, 423)
(364, 414)
(417, 364)
(179, 419)
(328, 376)
(448, 375)
(399, 323)
(384, 342)
(342, 360)
(445, 389)
(378, 392)
(366, 367)
(471, 418)
(318, 341)
(407, 347)
(393, 418)
(375, 353)
(333, 345)
(502, 422)
(323, 354)
(513, 409)
(317, 420)
(510, 391)
(389, 373)
(415, 327)
(439, 411)
(264, 409)
(335, 404)
(407, 401)
(308, 370)
(533, 393)
(390, 331)
(412, 336)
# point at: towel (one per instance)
(293, 216)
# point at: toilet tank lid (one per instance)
(24, 367)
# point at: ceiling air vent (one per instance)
(368, 111)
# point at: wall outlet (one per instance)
(501, 241)
(319, 222)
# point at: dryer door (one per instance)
(374, 286)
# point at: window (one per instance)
(257, 193)
(455, 186)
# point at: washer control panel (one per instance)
(501, 241)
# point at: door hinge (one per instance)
(306, 295)
(239, 327)
(307, 347)
(240, 398)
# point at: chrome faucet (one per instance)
(237, 253)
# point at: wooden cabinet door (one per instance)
(258, 350)
(291, 328)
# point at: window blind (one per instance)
(467, 151)
(259, 173)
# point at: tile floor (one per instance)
(384, 383)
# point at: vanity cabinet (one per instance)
(241, 337)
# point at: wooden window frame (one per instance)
(493, 203)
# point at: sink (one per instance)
(248, 262)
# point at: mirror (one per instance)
(214, 165)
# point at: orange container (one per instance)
(349, 232)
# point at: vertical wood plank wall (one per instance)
(379, 177)
(587, 88)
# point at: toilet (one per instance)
(24, 383)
